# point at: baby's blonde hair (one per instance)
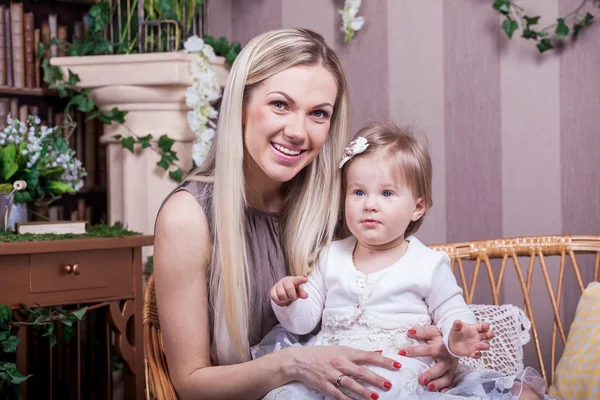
(408, 156)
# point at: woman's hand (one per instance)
(319, 367)
(440, 376)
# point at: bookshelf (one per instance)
(24, 24)
(37, 92)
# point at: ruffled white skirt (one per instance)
(469, 383)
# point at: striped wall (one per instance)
(514, 135)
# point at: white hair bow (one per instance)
(355, 147)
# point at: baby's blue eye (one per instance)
(387, 193)
(359, 193)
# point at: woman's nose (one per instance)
(295, 131)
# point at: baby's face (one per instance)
(378, 207)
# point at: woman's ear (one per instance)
(419, 210)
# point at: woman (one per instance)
(263, 205)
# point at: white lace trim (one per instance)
(338, 328)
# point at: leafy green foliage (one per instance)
(223, 48)
(96, 231)
(42, 318)
(568, 26)
(162, 147)
(95, 43)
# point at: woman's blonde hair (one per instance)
(309, 213)
(408, 157)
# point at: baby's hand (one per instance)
(468, 340)
(288, 290)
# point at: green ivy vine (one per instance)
(41, 318)
(569, 25)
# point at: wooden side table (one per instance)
(105, 271)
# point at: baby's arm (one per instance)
(461, 333)
(302, 314)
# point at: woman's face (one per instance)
(287, 119)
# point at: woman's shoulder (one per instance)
(181, 213)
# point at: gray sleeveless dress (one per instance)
(265, 257)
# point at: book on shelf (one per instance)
(14, 108)
(18, 45)
(28, 29)
(37, 62)
(8, 48)
(4, 110)
(57, 227)
(2, 48)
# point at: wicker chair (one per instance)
(545, 255)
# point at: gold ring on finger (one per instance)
(338, 382)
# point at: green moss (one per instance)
(96, 231)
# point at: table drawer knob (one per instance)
(75, 269)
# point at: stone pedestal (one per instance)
(151, 87)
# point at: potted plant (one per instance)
(40, 156)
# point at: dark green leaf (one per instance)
(58, 187)
(23, 197)
(10, 344)
(68, 333)
(5, 314)
(118, 115)
(49, 329)
(531, 20)
(529, 34)
(587, 19)
(165, 143)
(41, 51)
(163, 163)
(33, 178)
(562, 30)
(544, 45)
(117, 137)
(577, 28)
(509, 26)
(73, 78)
(231, 56)
(15, 376)
(502, 6)
(68, 319)
(145, 141)
(128, 143)
(80, 313)
(176, 175)
(52, 340)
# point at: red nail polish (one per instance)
(387, 385)
(379, 351)
(397, 365)
(374, 396)
(425, 381)
(402, 353)
(431, 387)
(412, 331)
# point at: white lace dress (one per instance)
(374, 312)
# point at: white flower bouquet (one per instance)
(41, 156)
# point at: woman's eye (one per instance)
(387, 193)
(359, 193)
(320, 114)
(280, 105)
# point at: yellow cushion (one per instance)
(578, 371)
